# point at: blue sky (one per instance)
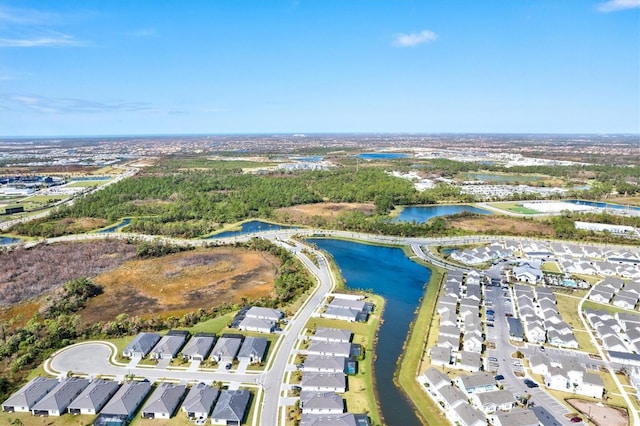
(111, 67)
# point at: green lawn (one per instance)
(590, 304)
(513, 207)
(86, 183)
(411, 363)
(568, 309)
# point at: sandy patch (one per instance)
(601, 415)
(494, 224)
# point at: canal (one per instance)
(389, 273)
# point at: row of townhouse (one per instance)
(619, 332)
(565, 374)
(541, 321)
(571, 258)
(117, 403)
(474, 400)
(616, 292)
(199, 347)
(348, 309)
(460, 338)
(327, 360)
(258, 319)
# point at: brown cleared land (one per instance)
(601, 415)
(497, 225)
(302, 213)
(176, 284)
(633, 201)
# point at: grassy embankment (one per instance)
(411, 363)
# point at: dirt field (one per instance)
(304, 212)
(632, 201)
(176, 284)
(605, 415)
(501, 224)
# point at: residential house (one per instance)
(469, 361)
(318, 347)
(344, 419)
(535, 331)
(516, 417)
(527, 273)
(200, 400)
(440, 355)
(141, 345)
(231, 407)
(435, 379)
(332, 335)
(592, 385)
(342, 314)
(24, 399)
(169, 346)
(258, 325)
(452, 343)
(449, 331)
(164, 401)
(625, 299)
(556, 378)
(477, 383)
(264, 313)
(516, 331)
(554, 337)
(321, 403)
(472, 342)
(226, 349)
(323, 382)
(614, 343)
(325, 364)
(198, 347)
(450, 396)
(55, 402)
(253, 349)
(126, 401)
(469, 416)
(93, 397)
(490, 402)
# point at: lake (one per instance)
(124, 222)
(389, 273)
(424, 213)
(381, 155)
(251, 227)
(602, 205)
(8, 240)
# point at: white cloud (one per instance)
(616, 5)
(54, 40)
(414, 39)
(47, 105)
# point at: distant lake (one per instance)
(401, 282)
(251, 227)
(315, 159)
(381, 155)
(424, 213)
(8, 240)
(124, 222)
(602, 205)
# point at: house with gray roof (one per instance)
(226, 349)
(198, 347)
(264, 313)
(516, 417)
(169, 345)
(327, 334)
(325, 364)
(440, 355)
(453, 343)
(344, 419)
(625, 299)
(28, 395)
(601, 295)
(199, 401)
(259, 325)
(490, 402)
(126, 400)
(323, 382)
(56, 401)
(164, 401)
(141, 345)
(450, 396)
(94, 397)
(231, 407)
(253, 349)
(469, 361)
(449, 331)
(329, 348)
(477, 382)
(469, 416)
(339, 313)
(516, 332)
(527, 273)
(435, 379)
(321, 403)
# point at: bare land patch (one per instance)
(182, 282)
(497, 225)
(303, 212)
(601, 414)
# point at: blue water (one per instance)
(389, 273)
(117, 226)
(381, 155)
(251, 227)
(424, 213)
(315, 159)
(8, 240)
(602, 205)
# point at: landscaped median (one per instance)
(410, 364)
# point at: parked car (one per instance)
(541, 348)
(499, 377)
(493, 358)
(228, 366)
(530, 383)
(490, 312)
(576, 419)
(296, 388)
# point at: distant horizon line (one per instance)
(304, 134)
